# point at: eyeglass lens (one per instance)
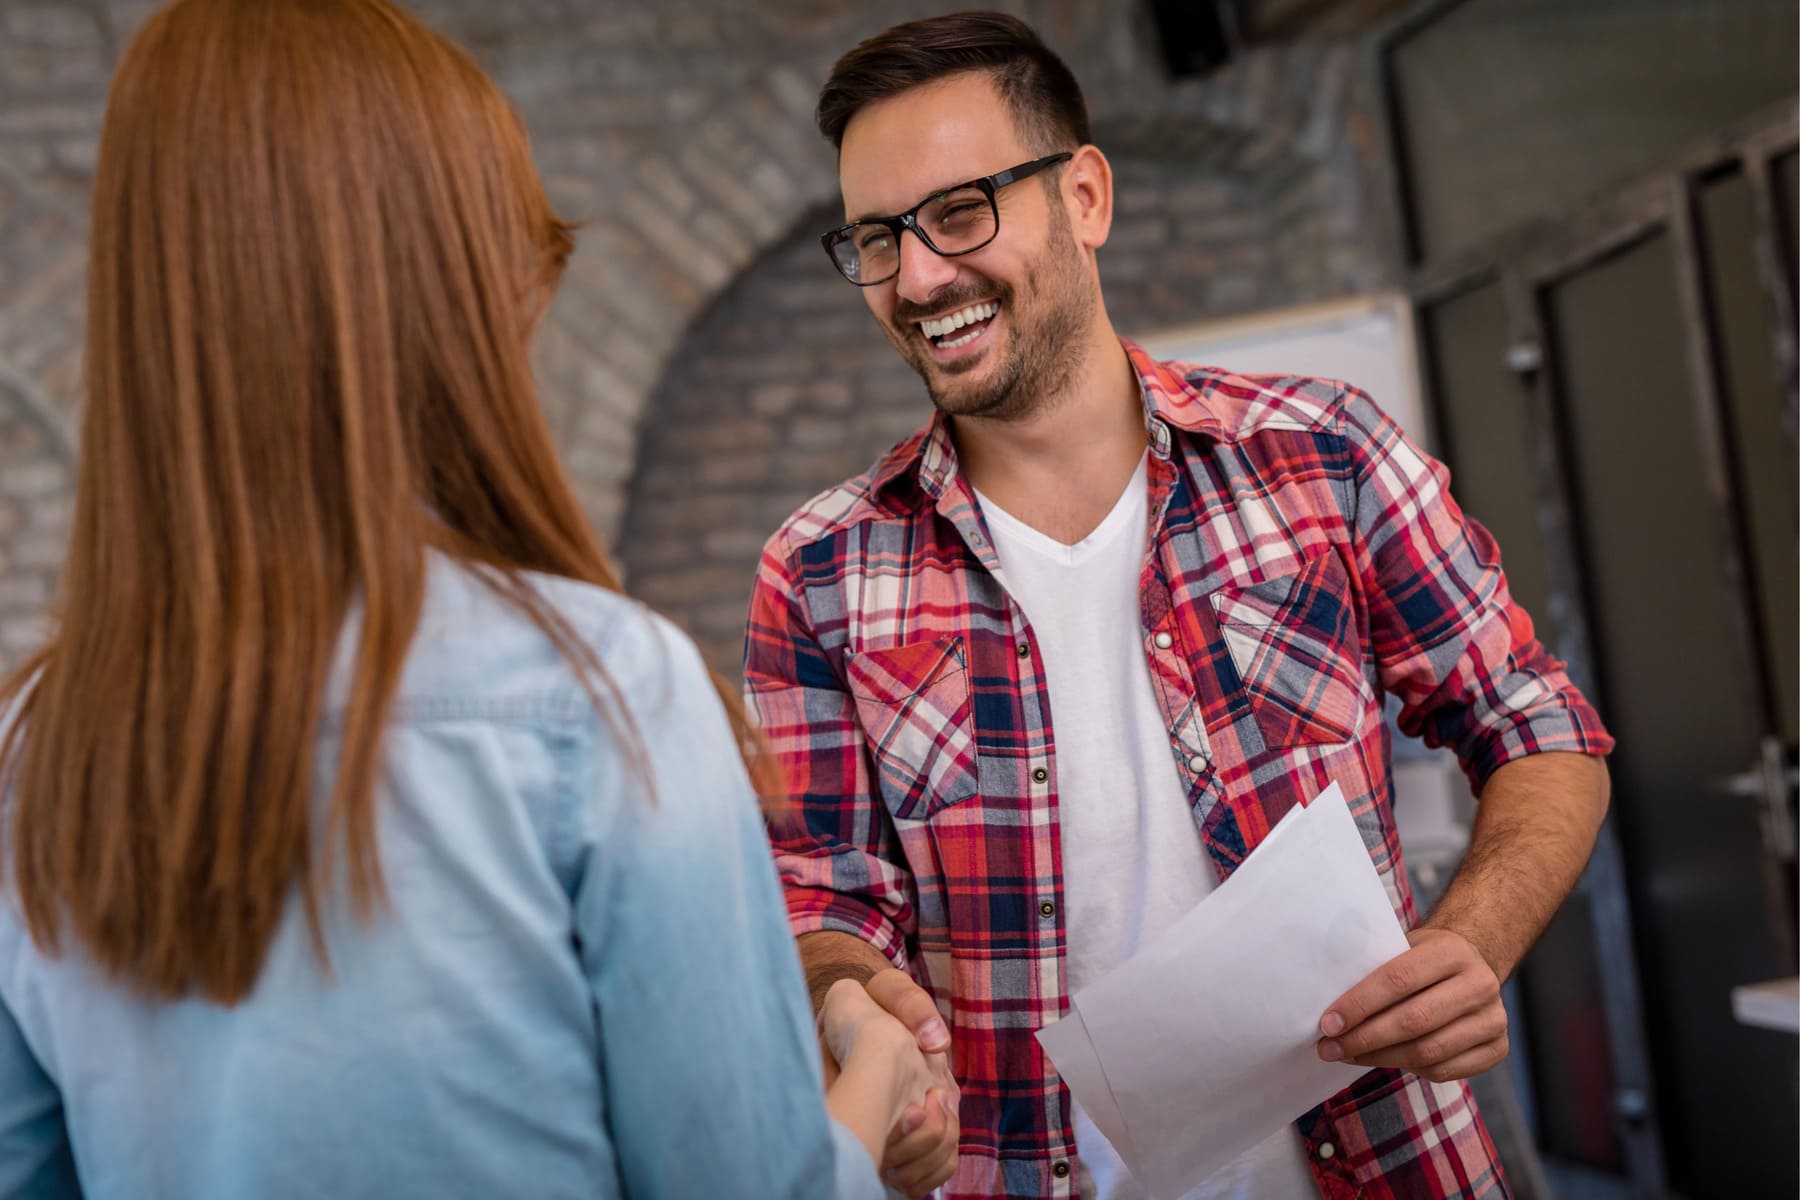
(954, 223)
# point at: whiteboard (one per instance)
(1366, 341)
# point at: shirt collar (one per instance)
(1171, 402)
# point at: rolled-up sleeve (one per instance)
(839, 857)
(1446, 635)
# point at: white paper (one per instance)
(1203, 1043)
(1069, 1047)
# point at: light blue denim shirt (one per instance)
(577, 989)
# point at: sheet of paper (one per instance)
(1069, 1047)
(1202, 1044)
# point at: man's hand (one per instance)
(921, 1153)
(1434, 1010)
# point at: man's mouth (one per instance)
(960, 328)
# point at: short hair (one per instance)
(1037, 86)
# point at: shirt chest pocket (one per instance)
(913, 702)
(1293, 640)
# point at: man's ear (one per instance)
(1087, 190)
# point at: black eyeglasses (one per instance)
(957, 220)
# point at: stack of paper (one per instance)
(1204, 1043)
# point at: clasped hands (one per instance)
(921, 1150)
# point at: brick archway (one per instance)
(681, 134)
(785, 386)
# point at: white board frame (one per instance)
(1400, 395)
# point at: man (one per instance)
(1055, 665)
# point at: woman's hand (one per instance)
(881, 1071)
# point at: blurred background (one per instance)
(1556, 238)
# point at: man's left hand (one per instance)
(1434, 1011)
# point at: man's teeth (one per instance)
(956, 320)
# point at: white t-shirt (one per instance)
(1132, 857)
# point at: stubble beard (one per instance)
(1047, 347)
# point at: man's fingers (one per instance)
(1440, 1046)
(1416, 1017)
(917, 1135)
(912, 1006)
(918, 1180)
(926, 1172)
(1484, 1057)
(1398, 978)
(920, 1160)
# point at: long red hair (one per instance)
(318, 247)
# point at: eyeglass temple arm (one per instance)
(1028, 170)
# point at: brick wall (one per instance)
(680, 132)
(1250, 191)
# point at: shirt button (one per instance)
(1197, 764)
(1040, 775)
(1024, 649)
(1164, 641)
(1326, 1149)
(1046, 909)
(1060, 1170)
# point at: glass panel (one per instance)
(1745, 321)
(1673, 677)
(1515, 108)
(1486, 433)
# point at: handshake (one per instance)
(888, 1078)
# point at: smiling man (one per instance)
(1054, 666)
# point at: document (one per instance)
(1202, 1044)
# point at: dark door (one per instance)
(1617, 400)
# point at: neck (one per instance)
(1094, 430)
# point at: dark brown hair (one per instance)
(1037, 86)
(318, 247)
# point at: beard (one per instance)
(1044, 351)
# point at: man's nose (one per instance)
(923, 273)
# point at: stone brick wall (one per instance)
(680, 132)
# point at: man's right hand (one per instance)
(921, 1152)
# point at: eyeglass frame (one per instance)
(899, 224)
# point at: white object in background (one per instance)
(1203, 1043)
(1772, 1005)
(1366, 341)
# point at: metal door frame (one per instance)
(1526, 261)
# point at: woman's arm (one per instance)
(707, 1050)
(35, 1158)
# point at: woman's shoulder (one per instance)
(477, 640)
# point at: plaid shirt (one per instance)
(1305, 559)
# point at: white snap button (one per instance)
(1164, 641)
(1326, 1149)
(1197, 764)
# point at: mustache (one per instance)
(948, 301)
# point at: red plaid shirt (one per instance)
(1305, 559)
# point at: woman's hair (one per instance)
(318, 250)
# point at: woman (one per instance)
(360, 839)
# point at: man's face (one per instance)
(1032, 276)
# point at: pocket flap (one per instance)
(1293, 642)
(913, 702)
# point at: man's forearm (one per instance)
(1534, 830)
(828, 956)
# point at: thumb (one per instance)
(912, 1006)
